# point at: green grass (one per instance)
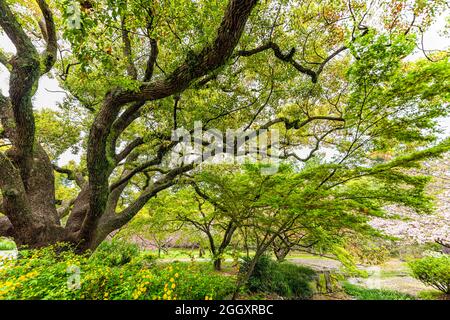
(179, 253)
(303, 255)
(6, 244)
(431, 295)
(361, 293)
(392, 273)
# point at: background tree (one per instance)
(157, 222)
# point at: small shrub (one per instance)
(198, 281)
(298, 279)
(115, 253)
(264, 273)
(430, 295)
(7, 244)
(433, 271)
(285, 279)
(361, 293)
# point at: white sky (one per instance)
(433, 40)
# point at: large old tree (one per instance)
(331, 75)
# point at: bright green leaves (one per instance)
(181, 29)
(378, 56)
(393, 104)
(56, 132)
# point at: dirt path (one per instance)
(318, 264)
(392, 275)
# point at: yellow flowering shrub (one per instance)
(58, 273)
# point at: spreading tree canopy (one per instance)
(332, 76)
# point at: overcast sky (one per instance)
(46, 97)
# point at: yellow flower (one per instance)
(172, 280)
(176, 275)
(165, 296)
(206, 298)
(173, 286)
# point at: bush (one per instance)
(115, 253)
(361, 293)
(58, 273)
(431, 295)
(433, 271)
(285, 279)
(6, 244)
(298, 279)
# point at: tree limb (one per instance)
(50, 53)
(4, 60)
(24, 75)
(129, 148)
(286, 57)
(131, 68)
(71, 175)
(151, 60)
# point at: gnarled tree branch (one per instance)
(50, 53)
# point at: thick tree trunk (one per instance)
(38, 224)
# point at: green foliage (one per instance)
(7, 244)
(115, 253)
(58, 273)
(369, 252)
(162, 217)
(433, 271)
(430, 295)
(361, 293)
(286, 279)
(330, 218)
(199, 281)
(58, 131)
